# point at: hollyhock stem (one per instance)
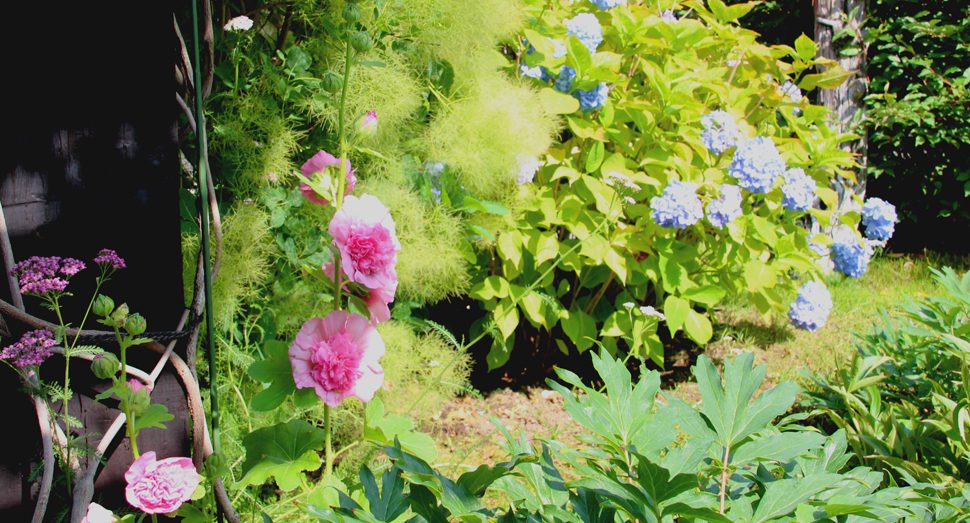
(329, 444)
(342, 182)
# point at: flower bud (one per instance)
(135, 324)
(352, 13)
(361, 42)
(332, 82)
(368, 126)
(141, 401)
(120, 315)
(103, 306)
(105, 365)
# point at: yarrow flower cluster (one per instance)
(528, 166)
(109, 258)
(850, 257)
(98, 514)
(239, 23)
(678, 206)
(318, 164)
(720, 132)
(593, 99)
(32, 349)
(799, 190)
(606, 5)
(160, 486)
(812, 306)
(725, 209)
(668, 16)
(564, 83)
(39, 275)
(587, 29)
(879, 218)
(757, 163)
(337, 357)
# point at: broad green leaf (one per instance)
(389, 502)
(587, 506)
(594, 156)
(758, 275)
(154, 416)
(580, 327)
(698, 327)
(284, 450)
(276, 370)
(542, 244)
(806, 48)
(783, 447)
(709, 295)
(728, 406)
(472, 205)
(616, 261)
(491, 287)
(555, 102)
(765, 229)
(675, 309)
(510, 249)
(784, 495)
(385, 429)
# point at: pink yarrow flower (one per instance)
(32, 349)
(38, 275)
(337, 357)
(109, 258)
(364, 232)
(318, 163)
(98, 514)
(160, 487)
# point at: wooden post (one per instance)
(845, 101)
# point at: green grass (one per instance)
(890, 279)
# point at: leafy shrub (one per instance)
(903, 400)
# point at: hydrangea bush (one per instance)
(698, 115)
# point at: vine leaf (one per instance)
(284, 450)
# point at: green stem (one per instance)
(97, 287)
(329, 443)
(341, 176)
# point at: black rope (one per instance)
(159, 336)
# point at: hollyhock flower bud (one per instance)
(104, 306)
(141, 396)
(337, 357)
(105, 365)
(135, 324)
(332, 82)
(361, 42)
(351, 13)
(368, 126)
(160, 487)
(120, 315)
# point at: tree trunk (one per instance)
(845, 101)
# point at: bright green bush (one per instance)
(663, 77)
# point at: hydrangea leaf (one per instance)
(276, 370)
(758, 275)
(555, 102)
(676, 311)
(283, 451)
(580, 327)
(698, 327)
(805, 47)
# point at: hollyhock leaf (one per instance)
(283, 451)
(275, 370)
(153, 416)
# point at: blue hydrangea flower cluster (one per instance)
(720, 132)
(725, 209)
(812, 306)
(564, 83)
(879, 218)
(799, 190)
(792, 91)
(820, 249)
(678, 206)
(434, 171)
(593, 99)
(606, 5)
(538, 72)
(587, 29)
(757, 163)
(850, 257)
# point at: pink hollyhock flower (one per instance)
(318, 163)
(377, 300)
(337, 356)
(369, 125)
(98, 514)
(137, 385)
(160, 487)
(364, 232)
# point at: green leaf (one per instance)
(154, 416)
(385, 429)
(782, 447)
(698, 327)
(491, 287)
(555, 102)
(675, 309)
(757, 275)
(580, 327)
(782, 496)
(709, 295)
(594, 156)
(805, 47)
(276, 370)
(284, 450)
(765, 229)
(388, 503)
(729, 407)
